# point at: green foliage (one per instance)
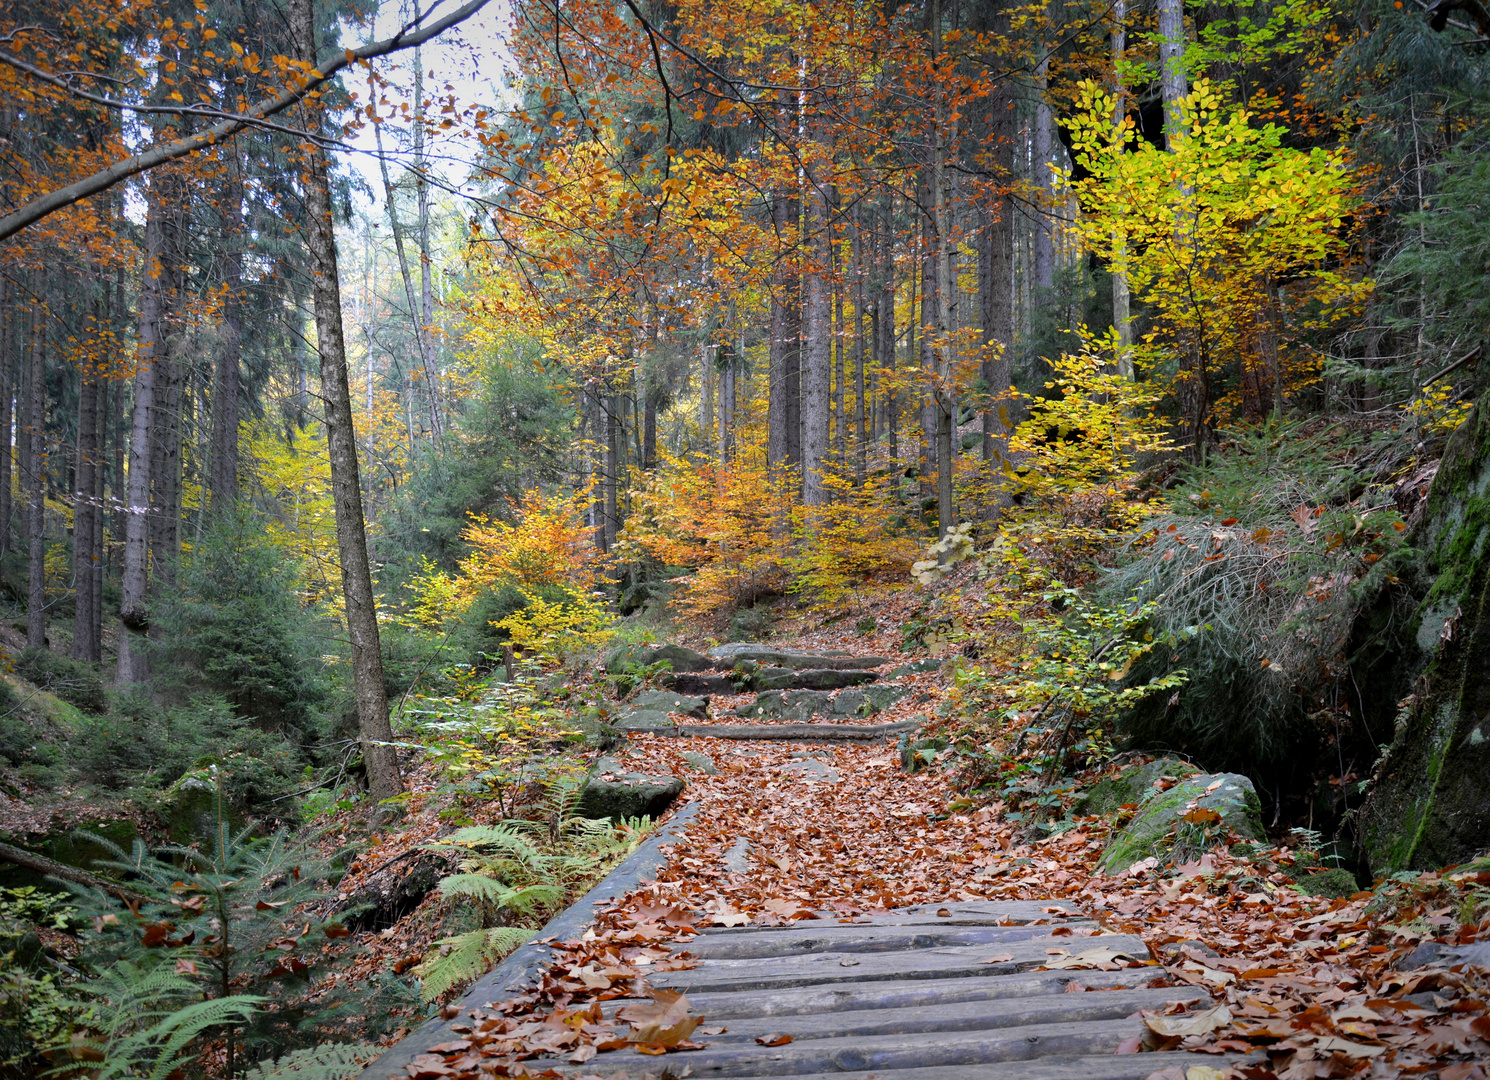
(74, 681)
(329, 1061)
(1077, 681)
(239, 914)
(1254, 554)
(141, 1022)
(236, 627)
(464, 957)
(516, 871)
(34, 1009)
(145, 747)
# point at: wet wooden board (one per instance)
(906, 995)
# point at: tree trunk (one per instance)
(96, 567)
(165, 465)
(379, 754)
(36, 393)
(225, 384)
(8, 337)
(1121, 314)
(860, 305)
(815, 382)
(1044, 245)
(888, 334)
(612, 468)
(426, 289)
(85, 509)
(1173, 81)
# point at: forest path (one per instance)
(827, 914)
(810, 909)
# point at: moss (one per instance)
(1153, 831)
(1130, 786)
(1335, 884)
(1429, 804)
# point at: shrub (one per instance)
(1253, 556)
(74, 681)
(236, 626)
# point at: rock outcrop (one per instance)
(1429, 803)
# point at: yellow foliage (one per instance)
(549, 544)
(557, 630)
(294, 478)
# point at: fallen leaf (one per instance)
(774, 1039)
(998, 958)
(1105, 959)
(1196, 1023)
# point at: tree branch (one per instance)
(42, 865)
(104, 179)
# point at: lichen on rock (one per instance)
(1158, 829)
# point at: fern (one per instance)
(470, 956)
(476, 887)
(140, 1027)
(329, 1061)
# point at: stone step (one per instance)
(727, 656)
(798, 732)
(809, 938)
(802, 705)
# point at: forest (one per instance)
(440, 440)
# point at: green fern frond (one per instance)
(532, 896)
(471, 956)
(329, 1061)
(476, 887)
(503, 837)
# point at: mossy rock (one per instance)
(1430, 805)
(627, 794)
(1152, 832)
(913, 755)
(669, 702)
(192, 809)
(77, 848)
(867, 700)
(680, 658)
(797, 706)
(644, 720)
(1335, 884)
(1131, 786)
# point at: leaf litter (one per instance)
(1300, 986)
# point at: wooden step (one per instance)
(939, 992)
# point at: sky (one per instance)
(472, 59)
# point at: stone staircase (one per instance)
(790, 685)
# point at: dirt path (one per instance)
(807, 916)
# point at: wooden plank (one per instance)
(1061, 1067)
(899, 993)
(808, 938)
(961, 1016)
(877, 1052)
(936, 963)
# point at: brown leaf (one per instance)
(1196, 1023)
(998, 958)
(774, 1039)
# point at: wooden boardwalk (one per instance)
(951, 992)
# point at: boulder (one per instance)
(798, 706)
(1130, 786)
(195, 812)
(702, 762)
(867, 700)
(1429, 804)
(614, 792)
(644, 720)
(777, 678)
(746, 652)
(1152, 830)
(670, 702)
(680, 658)
(702, 685)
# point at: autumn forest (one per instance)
(758, 467)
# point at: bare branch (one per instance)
(104, 179)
